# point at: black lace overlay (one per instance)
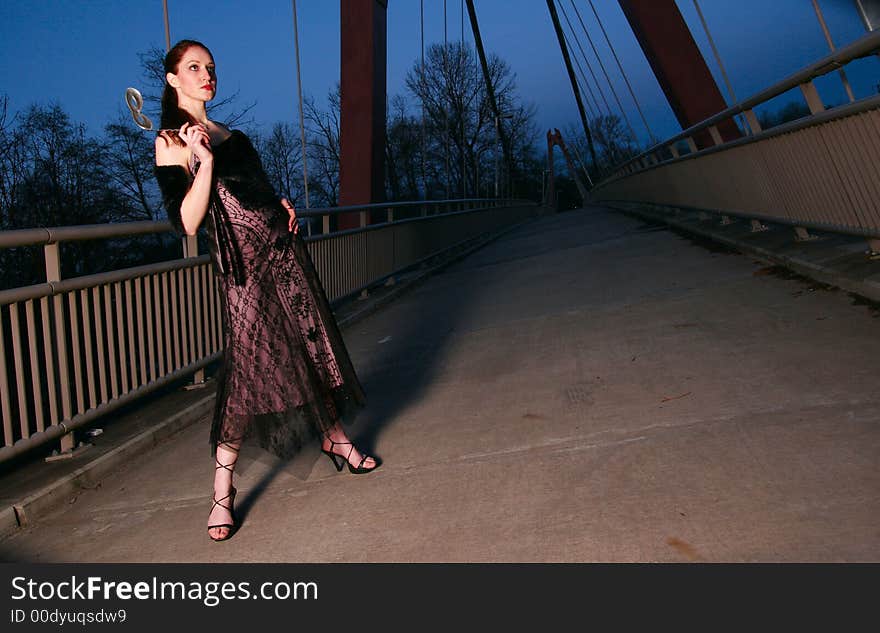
(286, 376)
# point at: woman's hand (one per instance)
(292, 225)
(197, 140)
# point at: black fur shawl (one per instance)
(237, 165)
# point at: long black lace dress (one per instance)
(286, 376)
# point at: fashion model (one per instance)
(286, 374)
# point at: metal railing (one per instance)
(73, 350)
(821, 171)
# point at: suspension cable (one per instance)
(589, 67)
(580, 161)
(594, 114)
(422, 77)
(586, 61)
(167, 30)
(461, 59)
(623, 73)
(563, 48)
(445, 104)
(841, 71)
(605, 72)
(302, 124)
(727, 83)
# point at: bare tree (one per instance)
(458, 119)
(323, 148)
(611, 140)
(402, 152)
(281, 154)
(12, 166)
(130, 167)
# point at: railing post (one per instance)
(752, 120)
(801, 234)
(191, 249)
(190, 246)
(52, 253)
(811, 96)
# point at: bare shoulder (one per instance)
(170, 153)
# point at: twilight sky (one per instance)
(85, 53)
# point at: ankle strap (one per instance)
(231, 465)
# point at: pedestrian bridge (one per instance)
(587, 385)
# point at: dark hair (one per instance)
(172, 115)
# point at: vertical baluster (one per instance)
(99, 341)
(63, 366)
(166, 324)
(157, 304)
(35, 365)
(50, 361)
(139, 303)
(111, 343)
(132, 355)
(87, 336)
(120, 335)
(205, 324)
(174, 318)
(152, 320)
(184, 293)
(5, 400)
(197, 325)
(19, 369)
(73, 324)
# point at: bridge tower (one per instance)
(363, 86)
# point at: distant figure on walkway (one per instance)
(286, 374)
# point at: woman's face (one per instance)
(195, 78)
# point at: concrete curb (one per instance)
(867, 288)
(40, 503)
(8, 522)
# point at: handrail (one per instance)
(97, 231)
(389, 205)
(863, 47)
(847, 109)
(48, 235)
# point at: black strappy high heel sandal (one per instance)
(357, 470)
(231, 527)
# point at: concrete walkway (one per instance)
(589, 387)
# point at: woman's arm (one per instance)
(292, 224)
(194, 204)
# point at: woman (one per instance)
(285, 371)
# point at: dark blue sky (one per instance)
(85, 53)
